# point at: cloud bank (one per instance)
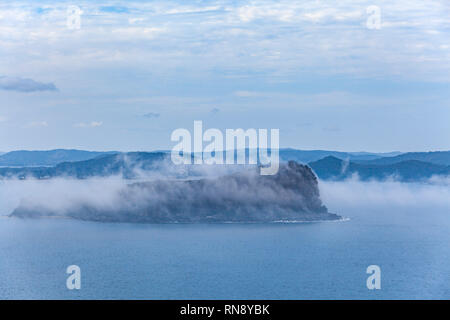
(25, 85)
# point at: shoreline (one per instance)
(341, 219)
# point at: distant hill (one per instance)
(25, 158)
(46, 158)
(332, 168)
(124, 164)
(405, 167)
(306, 156)
(436, 157)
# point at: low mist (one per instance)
(59, 194)
(353, 193)
(62, 194)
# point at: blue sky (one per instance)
(137, 70)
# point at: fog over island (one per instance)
(290, 195)
(148, 187)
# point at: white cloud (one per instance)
(246, 94)
(37, 124)
(125, 33)
(189, 10)
(135, 20)
(92, 124)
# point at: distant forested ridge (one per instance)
(24, 158)
(334, 165)
(332, 168)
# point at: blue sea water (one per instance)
(325, 260)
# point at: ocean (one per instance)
(407, 236)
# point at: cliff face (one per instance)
(292, 194)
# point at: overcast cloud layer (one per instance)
(311, 68)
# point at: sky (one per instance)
(325, 73)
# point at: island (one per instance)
(292, 195)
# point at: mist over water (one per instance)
(392, 194)
(61, 194)
(401, 227)
(421, 207)
(245, 196)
